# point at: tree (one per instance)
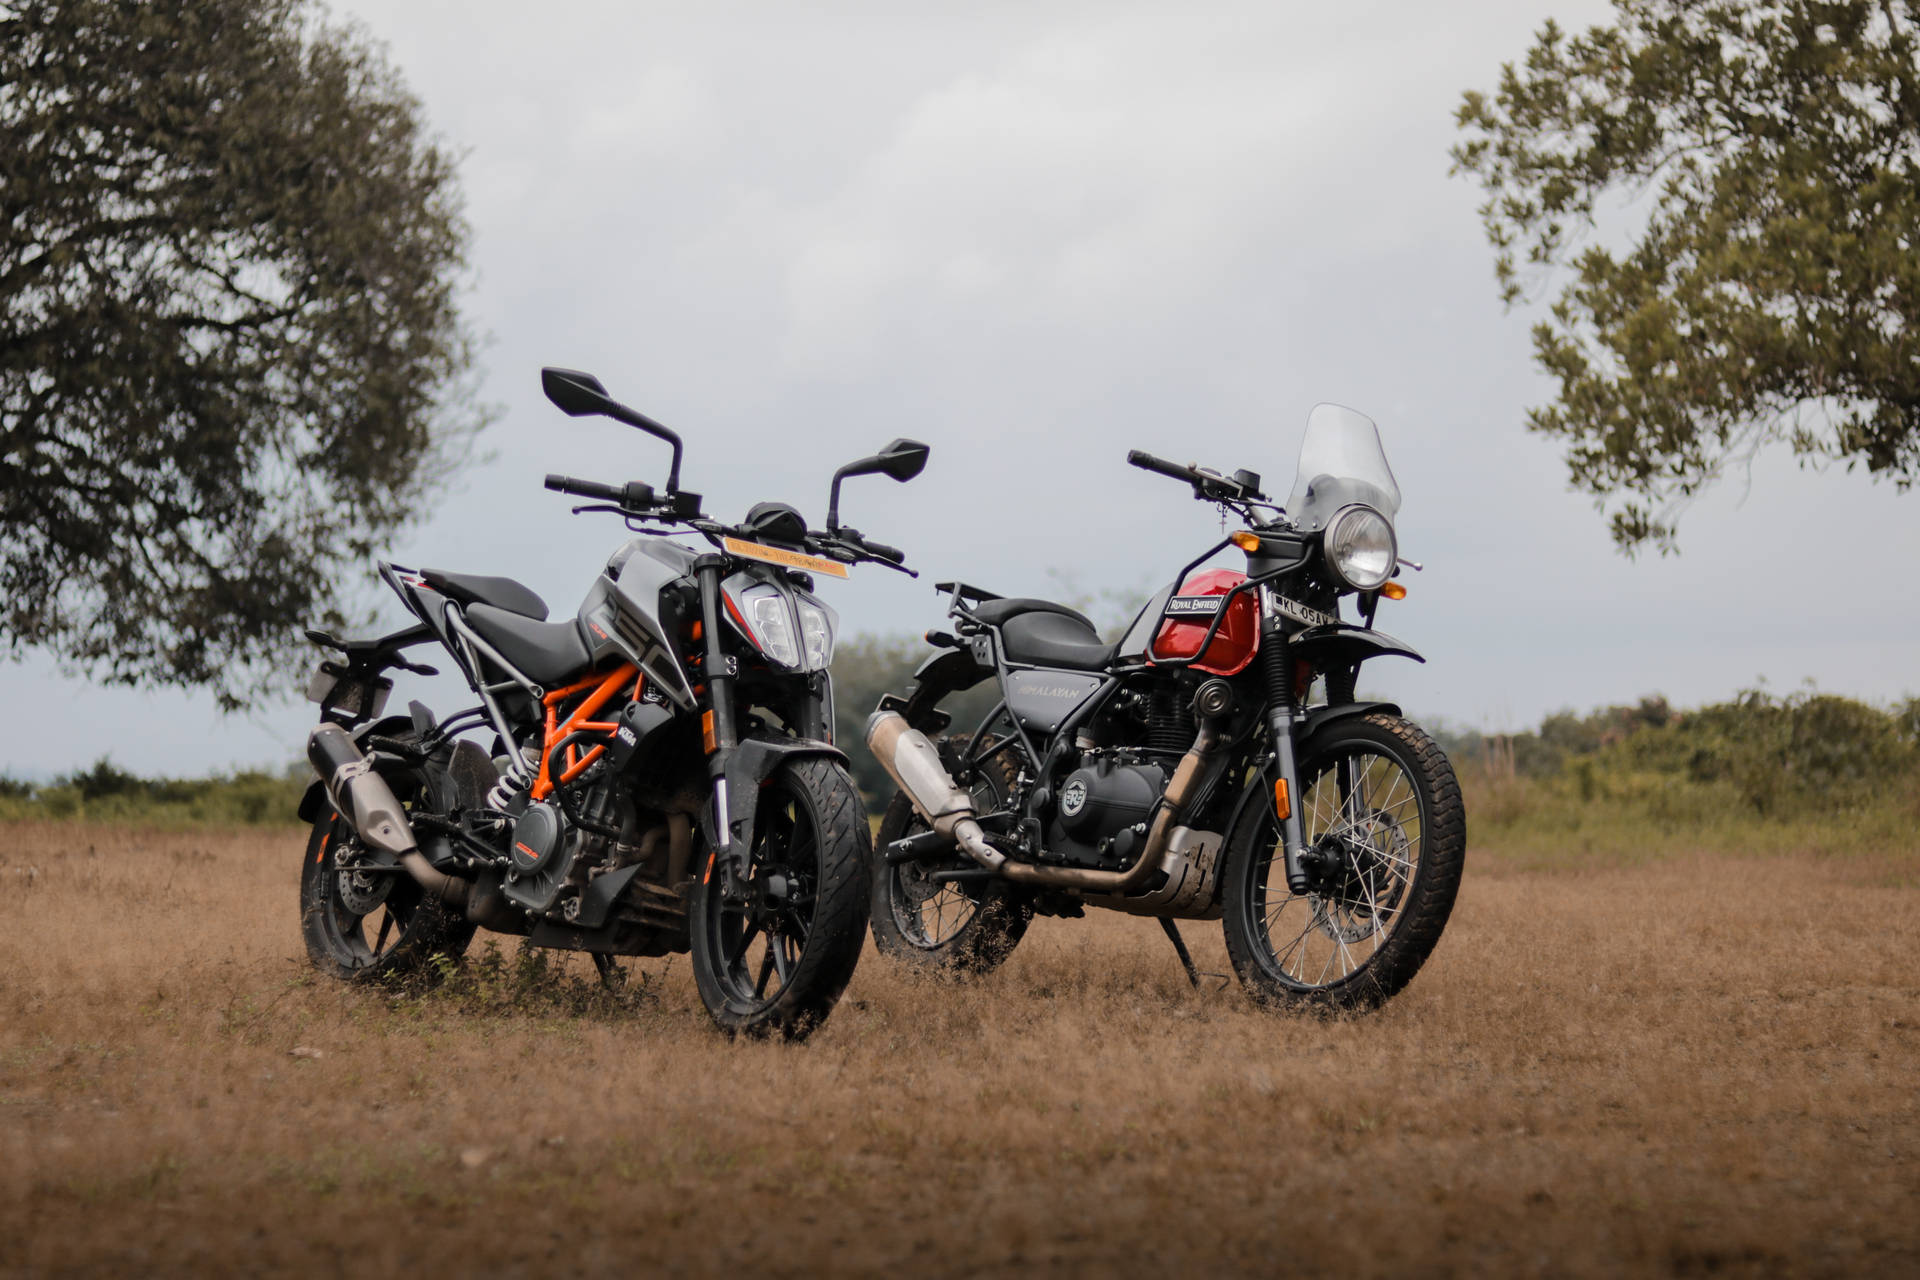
(231, 361)
(1767, 156)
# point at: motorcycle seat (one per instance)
(473, 588)
(1054, 637)
(995, 613)
(546, 652)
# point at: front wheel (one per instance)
(776, 960)
(1385, 838)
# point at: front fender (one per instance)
(748, 768)
(1344, 645)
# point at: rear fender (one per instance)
(942, 673)
(753, 762)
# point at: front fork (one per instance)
(1276, 662)
(717, 732)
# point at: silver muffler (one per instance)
(368, 804)
(914, 763)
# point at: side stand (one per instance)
(1180, 948)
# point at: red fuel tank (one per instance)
(1190, 611)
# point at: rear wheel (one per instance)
(365, 925)
(776, 961)
(953, 926)
(1386, 838)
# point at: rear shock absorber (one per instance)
(523, 767)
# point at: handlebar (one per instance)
(586, 488)
(633, 495)
(1147, 462)
(1240, 487)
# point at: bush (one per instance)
(106, 793)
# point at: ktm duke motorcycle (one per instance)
(1183, 772)
(660, 775)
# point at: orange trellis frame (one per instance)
(603, 687)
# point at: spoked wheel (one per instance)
(776, 957)
(1385, 840)
(363, 924)
(948, 926)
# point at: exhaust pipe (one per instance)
(914, 763)
(368, 804)
(906, 754)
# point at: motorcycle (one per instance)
(661, 776)
(1183, 772)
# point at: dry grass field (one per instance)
(1695, 1065)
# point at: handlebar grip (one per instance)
(893, 555)
(1147, 462)
(586, 488)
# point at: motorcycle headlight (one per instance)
(772, 623)
(816, 633)
(1360, 547)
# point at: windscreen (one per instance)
(1341, 462)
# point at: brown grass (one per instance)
(1701, 1065)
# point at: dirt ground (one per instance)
(1693, 1066)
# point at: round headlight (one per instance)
(1360, 547)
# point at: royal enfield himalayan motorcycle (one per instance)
(1184, 771)
(658, 774)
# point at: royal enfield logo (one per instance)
(1193, 606)
(1074, 798)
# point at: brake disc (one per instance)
(361, 892)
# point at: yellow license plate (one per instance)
(781, 556)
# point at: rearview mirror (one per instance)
(903, 459)
(578, 394)
(574, 393)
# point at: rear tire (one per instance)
(370, 926)
(777, 963)
(954, 929)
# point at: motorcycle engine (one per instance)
(1096, 807)
(541, 856)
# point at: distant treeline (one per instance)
(107, 793)
(1808, 751)
(1758, 757)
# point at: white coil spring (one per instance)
(518, 777)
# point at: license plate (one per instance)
(357, 696)
(1305, 615)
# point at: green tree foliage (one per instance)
(1768, 154)
(230, 358)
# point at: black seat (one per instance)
(1052, 636)
(546, 652)
(501, 593)
(996, 612)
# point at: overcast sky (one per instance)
(1036, 236)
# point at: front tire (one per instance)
(1380, 810)
(776, 963)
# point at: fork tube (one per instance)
(719, 695)
(1277, 661)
